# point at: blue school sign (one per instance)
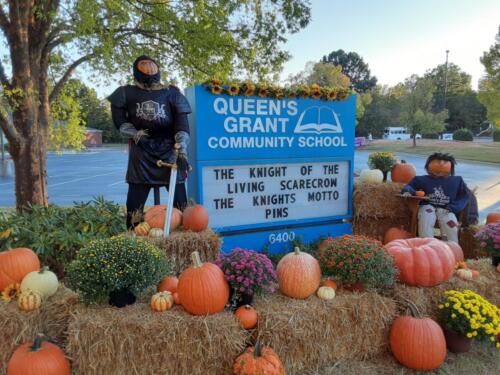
(271, 171)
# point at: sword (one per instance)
(171, 189)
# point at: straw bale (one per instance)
(180, 244)
(378, 201)
(310, 334)
(135, 340)
(376, 228)
(427, 299)
(19, 326)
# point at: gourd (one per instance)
(29, 300)
(202, 288)
(371, 176)
(420, 193)
(422, 261)
(329, 283)
(155, 217)
(162, 301)
(299, 274)
(15, 264)
(142, 229)
(44, 282)
(326, 293)
(169, 284)
(156, 233)
(195, 218)
(247, 316)
(394, 233)
(467, 274)
(258, 360)
(403, 172)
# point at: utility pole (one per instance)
(2, 152)
(445, 79)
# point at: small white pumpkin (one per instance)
(156, 233)
(326, 293)
(465, 274)
(371, 176)
(44, 282)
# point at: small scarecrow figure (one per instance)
(447, 195)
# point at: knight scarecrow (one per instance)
(154, 118)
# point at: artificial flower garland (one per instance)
(247, 88)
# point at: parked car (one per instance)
(396, 133)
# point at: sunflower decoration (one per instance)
(330, 94)
(315, 91)
(248, 88)
(278, 92)
(233, 89)
(304, 91)
(342, 94)
(11, 292)
(291, 92)
(216, 89)
(263, 92)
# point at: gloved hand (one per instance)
(406, 194)
(182, 163)
(140, 135)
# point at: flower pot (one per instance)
(121, 298)
(237, 299)
(495, 260)
(456, 342)
(357, 287)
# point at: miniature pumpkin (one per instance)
(329, 283)
(420, 193)
(371, 176)
(11, 292)
(258, 360)
(156, 233)
(169, 283)
(456, 249)
(394, 233)
(403, 172)
(493, 217)
(177, 300)
(29, 300)
(162, 301)
(439, 167)
(202, 288)
(417, 342)
(195, 218)
(422, 261)
(247, 316)
(155, 217)
(38, 358)
(465, 274)
(147, 67)
(142, 229)
(15, 264)
(326, 293)
(461, 264)
(299, 274)
(44, 282)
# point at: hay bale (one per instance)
(135, 340)
(180, 244)
(310, 334)
(19, 326)
(427, 299)
(376, 228)
(377, 201)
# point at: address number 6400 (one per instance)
(281, 237)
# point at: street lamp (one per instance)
(445, 79)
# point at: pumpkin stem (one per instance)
(37, 344)
(257, 350)
(403, 161)
(195, 256)
(43, 269)
(415, 312)
(444, 237)
(296, 250)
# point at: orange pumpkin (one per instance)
(247, 316)
(456, 249)
(439, 167)
(258, 360)
(299, 274)
(38, 358)
(142, 229)
(420, 193)
(177, 300)
(493, 217)
(417, 342)
(161, 301)
(15, 264)
(195, 218)
(202, 288)
(169, 284)
(155, 217)
(422, 261)
(147, 67)
(329, 283)
(403, 172)
(394, 233)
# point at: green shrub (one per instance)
(463, 135)
(357, 259)
(496, 135)
(430, 136)
(120, 262)
(382, 160)
(57, 233)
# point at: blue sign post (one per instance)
(272, 171)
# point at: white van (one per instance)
(395, 133)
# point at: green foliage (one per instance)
(357, 259)
(116, 263)
(430, 136)
(489, 86)
(465, 111)
(496, 135)
(325, 75)
(463, 135)
(382, 160)
(57, 233)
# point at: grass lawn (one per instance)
(477, 151)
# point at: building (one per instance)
(93, 137)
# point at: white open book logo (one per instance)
(318, 120)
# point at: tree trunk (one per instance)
(414, 140)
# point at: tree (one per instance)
(489, 86)
(354, 67)
(465, 111)
(325, 75)
(416, 108)
(195, 39)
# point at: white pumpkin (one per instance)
(371, 176)
(156, 233)
(43, 282)
(464, 274)
(326, 293)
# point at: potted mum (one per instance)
(466, 316)
(247, 273)
(489, 240)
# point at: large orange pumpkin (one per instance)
(202, 288)
(147, 67)
(155, 217)
(417, 343)
(247, 316)
(299, 274)
(439, 167)
(38, 358)
(422, 261)
(456, 249)
(168, 284)
(394, 233)
(15, 264)
(258, 360)
(195, 218)
(493, 217)
(403, 172)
